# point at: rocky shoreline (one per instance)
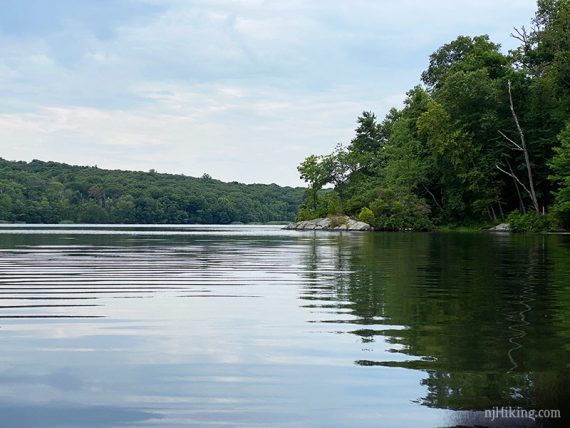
(338, 223)
(501, 228)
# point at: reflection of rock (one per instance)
(330, 223)
(503, 227)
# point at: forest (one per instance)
(482, 139)
(50, 192)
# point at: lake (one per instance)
(165, 326)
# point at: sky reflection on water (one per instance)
(255, 326)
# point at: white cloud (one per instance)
(242, 90)
(251, 136)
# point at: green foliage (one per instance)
(447, 157)
(560, 165)
(392, 211)
(333, 206)
(529, 222)
(462, 55)
(368, 137)
(366, 215)
(49, 192)
(336, 221)
(319, 204)
(306, 214)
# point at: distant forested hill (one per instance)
(50, 192)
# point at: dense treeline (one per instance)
(485, 134)
(49, 192)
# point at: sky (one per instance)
(242, 90)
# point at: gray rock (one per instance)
(358, 225)
(341, 223)
(503, 227)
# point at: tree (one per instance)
(464, 54)
(560, 165)
(318, 171)
(444, 149)
(522, 147)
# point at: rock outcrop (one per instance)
(339, 223)
(503, 227)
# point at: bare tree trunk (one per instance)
(526, 156)
(501, 211)
(521, 203)
(493, 212)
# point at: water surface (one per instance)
(151, 326)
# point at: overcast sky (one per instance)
(243, 90)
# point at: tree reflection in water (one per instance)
(486, 317)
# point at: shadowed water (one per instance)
(255, 326)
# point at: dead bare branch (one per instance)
(514, 177)
(518, 147)
(520, 35)
(521, 203)
(432, 196)
(525, 151)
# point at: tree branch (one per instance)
(520, 35)
(514, 177)
(432, 196)
(522, 207)
(518, 147)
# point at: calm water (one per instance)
(255, 326)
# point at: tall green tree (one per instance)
(475, 142)
(560, 164)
